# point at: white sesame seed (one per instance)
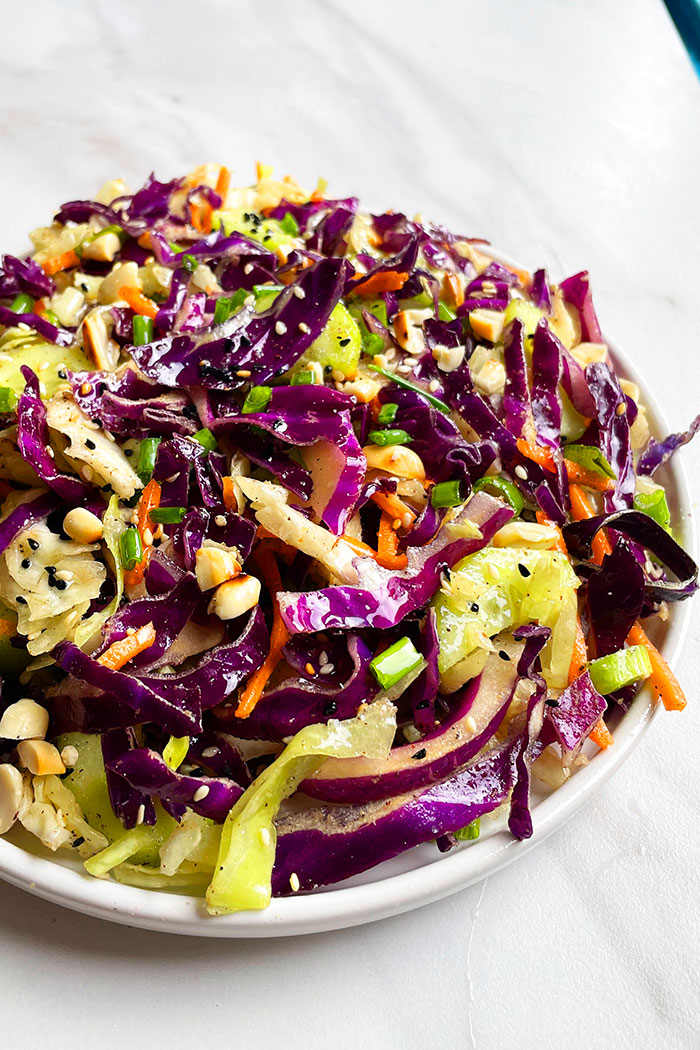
(140, 814)
(265, 836)
(280, 327)
(323, 657)
(294, 882)
(470, 725)
(248, 268)
(298, 292)
(326, 669)
(406, 520)
(69, 755)
(303, 327)
(337, 375)
(521, 472)
(200, 793)
(433, 385)
(130, 631)
(65, 574)
(209, 752)
(220, 520)
(147, 537)
(405, 369)
(172, 478)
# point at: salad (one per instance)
(322, 535)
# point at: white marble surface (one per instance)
(567, 132)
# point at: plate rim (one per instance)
(345, 906)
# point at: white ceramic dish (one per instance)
(417, 877)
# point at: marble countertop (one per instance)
(566, 132)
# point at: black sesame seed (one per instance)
(523, 570)
(422, 704)
(20, 600)
(128, 452)
(421, 753)
(26, 564)
(503, 654)
(551, 702)
(63, 375)
(60, 584)
(51, 569)
(330, 708)
(78, 842)
(34, 544)
(474, 607)
(343, 342)
(89, 443)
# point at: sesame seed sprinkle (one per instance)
(280, 327)
(303, 327)
(433, 385)
(406, 520)
(294, 882)
(248, 268)
(521, 472)
(265, 836)
(326, 669)
(209, 752)
(299, 292)
(140, 814)
(201, 793)
(220, 520)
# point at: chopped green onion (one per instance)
(8, 399)
(290, 225)
(167, 515)
(189, 263)
(372, 344)
(470, 832)
(378, 309)
(395, 662)
(258, 398)
(302, 378)
(175, 751)
(22, 304)
(147, 458)
(113, 228)
(261, 290)
(503, 488)
(591, 458)
(142, 329)
(445, 314)
(130, 546)
(655, 505)
(613, 672)
(389, 437)
(206, 438)
(387, 413)
(228, 304)
(446, 494)
(434, 401)
(52, 318)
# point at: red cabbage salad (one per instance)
(323, 534)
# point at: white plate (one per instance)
(418, 877)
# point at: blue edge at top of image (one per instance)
(686, 16)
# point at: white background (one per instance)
(567, 133)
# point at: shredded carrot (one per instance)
(393, 505)
(223, 182)
(259, 170)
(150, 499)
(278, 637)
(662, 679)
(230, 501)
(204, 211)
(144, 241)
(138, 302)
(542, 519)
(601, 735)
(388, 545)
(386, 281)
(39, 308)
(524, 276)
(578, 475)
(60, 262)
(581, 509)
(537, 453)
(132, 577)
(579, 657)
(388, 561)
(7, 629)
(119, 653)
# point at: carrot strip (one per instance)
(393, 505)
(119, 653)
(542, 519)
(537, 453)
(222, 183)
(582, 508)
(60, 262)
(230, 501)
(386, 281)
(278, 637)
(138, 302)
(578, 475)
(388, 545)
(662, 679)
(150, 499)
(387, 561)
(8, 629)
(601, 735)
(579, 657)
